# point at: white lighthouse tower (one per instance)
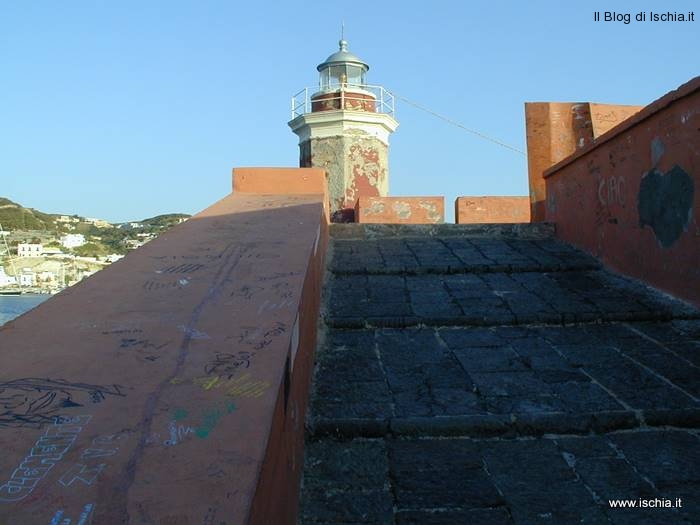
(344, 127)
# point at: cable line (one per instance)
(454, 123)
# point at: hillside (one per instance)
(14, 216)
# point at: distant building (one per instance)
(72, 240)
(29, 250)
(113, 257)
(67, 219)
(98, 223)
(27, 277)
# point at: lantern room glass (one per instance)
(341, 76)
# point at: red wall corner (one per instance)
(632, 198)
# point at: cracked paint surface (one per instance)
(357, 165)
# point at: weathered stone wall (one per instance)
(357, 165)
(632, 198)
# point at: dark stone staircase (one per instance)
(495, 375)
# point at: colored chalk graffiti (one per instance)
(46, 452)
(208, 420)
(211, 417)
(243, 386)
(177, 433)
(33, 402)
(85, 517)
(86, 474)
(91, 462)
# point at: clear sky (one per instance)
(128, 109)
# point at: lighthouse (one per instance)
(344, 126)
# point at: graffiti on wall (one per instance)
(665, 203)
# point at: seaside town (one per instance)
(43, 253)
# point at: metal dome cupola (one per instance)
(341, 70)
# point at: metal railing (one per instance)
(358, 99)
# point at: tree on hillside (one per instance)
(91, 249)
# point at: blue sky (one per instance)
(125, 110)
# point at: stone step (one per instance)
(356, 301)
(555, 479)
(507, 381)
(455, 255)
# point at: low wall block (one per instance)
(485, 210)
(400, 210)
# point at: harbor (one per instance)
(12, 306)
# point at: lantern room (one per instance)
(342, 70)
(342, 83)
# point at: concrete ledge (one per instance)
(490, 210)
(281, 181)
(172, 386)
(400, 210)
(378, 231)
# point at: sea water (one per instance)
(12, 306)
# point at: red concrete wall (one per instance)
(485, 210)
(632, 198)
(278, 181)
(400, 210)
(170, 387)
(556, 130)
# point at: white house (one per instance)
(27, 277)
(29, 250)
(72, 240)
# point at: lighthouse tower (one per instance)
(344, 127)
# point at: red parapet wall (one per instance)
(274, 181)
(556, 130)
(400, 210)
(486, 210)
(172, 386)
(633, 197)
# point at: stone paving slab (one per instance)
(496, 381)
(517, 481)
(501, 380)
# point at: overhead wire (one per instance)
(457, 124)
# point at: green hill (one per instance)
(14, 216)
(165, 221)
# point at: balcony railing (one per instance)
(367, 98)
